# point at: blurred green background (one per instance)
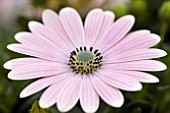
(150, 14)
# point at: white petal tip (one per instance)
(156, 37)
(13, 76)
(25, 93)
(17, 35)
(130, 18)
(62, 109)
(31, 24)
(136, 87)
(164, 53)
(10, 75)
(118, 104)
(22, 95)
(154, 80)
(67, 9)
(47, 12)
(110, 13)
(150, 79)
(43, 105)
(145, 31)
(10, 46)
(6, 65)
(160, 52)
(97, 10)
(163, 67)
(90, 111)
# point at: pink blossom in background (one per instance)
(84, 62)
(11, 9)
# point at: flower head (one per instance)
(79, 63)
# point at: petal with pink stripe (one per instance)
(143, 65)
(119, 81)
(93, 26)
(37, 51)
(108, 21)
(42, 69)
(41, 84)
(118, 30)
(139, 76)
(133, 55)
(73, 25)
(89, 99)
(69, 94)
(110, 95)
(49, 97)
(52, 20)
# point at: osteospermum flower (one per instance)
(79, 63)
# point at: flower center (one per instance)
(85, 56)
(85, 61)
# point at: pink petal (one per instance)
(128, 39)
(119, 29)
(48, 34)
(139, 76)
(93, 25)
(107, 24)
(49, 97)
(134, 41)
(19, 62)
(37, 51)
(38, 40)
(41, 84)
(33, 39)
(143, 65)
(119, 81)
(37, 70)
(73, 25)
(133, 55)
(110, 95)
(89, 99)
(69, 94)
(52, 20)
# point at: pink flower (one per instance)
(79, 63)
(10, 10)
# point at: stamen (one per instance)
(81, 49)
(84, 48)
(91, 48)
(100, 57)
(98, 54)
(74, 52)
(95, 51)
(77, 49)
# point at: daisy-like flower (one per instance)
(77, 63)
